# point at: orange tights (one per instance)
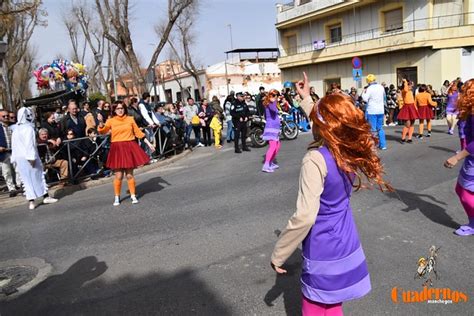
(409, 128)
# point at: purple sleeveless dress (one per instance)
(334, 268)
(272, 125)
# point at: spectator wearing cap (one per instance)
(240, 115)
(374, 96)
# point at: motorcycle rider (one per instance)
(240, 114)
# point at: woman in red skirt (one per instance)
(424, 103)
(408, 113)
(125, 154)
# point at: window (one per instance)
(409, 73)
(331, 82)
(335, 33)
(393, 20)
(304, 1)
(169, 95)
(178, 96)
(291, 44)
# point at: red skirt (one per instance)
(126, 155)
(425, 112)
(408, 112)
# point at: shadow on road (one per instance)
(443, 149)
(434, 212)
(75, 292)
(288, 285)
(151, 185)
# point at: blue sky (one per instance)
(253, 25)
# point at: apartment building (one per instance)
(426, 41)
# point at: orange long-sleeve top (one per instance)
(424, 99)
(407, 95)
(122, 129)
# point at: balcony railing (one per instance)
(286, 6)
(411, 26)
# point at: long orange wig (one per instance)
(466, 100)
(266, 99)
(339, 125)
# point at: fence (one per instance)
(166, 145)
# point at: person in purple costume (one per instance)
(451, 107)
(271, 133)
(465, 183)
(334, 269)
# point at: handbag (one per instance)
(195, 120)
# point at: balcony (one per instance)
(437, 32)
(297, 8)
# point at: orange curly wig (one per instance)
(344, 130)
(266, 100)
(466, 100)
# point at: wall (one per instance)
(364, 23)
(467, 63)
(433, 67)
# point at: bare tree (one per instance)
(175, 9)
(114, 18)
(94, 36)
(18, 35)
(21, 78)
(79, 45)
(185, 39)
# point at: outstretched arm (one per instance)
(313, 172)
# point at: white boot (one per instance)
(117, 200)
(134, 199)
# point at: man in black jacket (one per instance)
(72, 120)
(240, 115)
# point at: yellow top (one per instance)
(216, 124)
(122, 129)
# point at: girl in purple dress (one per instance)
(465, 183)
(451, 107)
(271, 132)
(334, 269)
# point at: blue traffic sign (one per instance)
(357, 74)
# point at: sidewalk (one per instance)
(7, 202)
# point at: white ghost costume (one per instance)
(24, 150)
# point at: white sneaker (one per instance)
(134, 199)
(200, 145)
(117, 201)
(32, 205)
(49, 200)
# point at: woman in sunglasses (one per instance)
(125, 155)
(271, 131)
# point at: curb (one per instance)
(70, 189)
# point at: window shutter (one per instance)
(393, 20)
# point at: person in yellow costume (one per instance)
(216, 126)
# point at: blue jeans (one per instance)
(376, 126)
(230, 130)
(149, 135)
(197, 133)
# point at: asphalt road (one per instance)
(200, 240)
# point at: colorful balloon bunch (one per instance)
(61, 74)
